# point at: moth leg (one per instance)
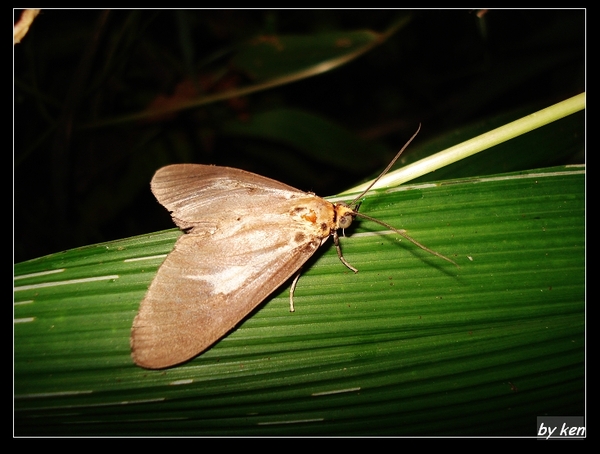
(336, 241)
(293, 288)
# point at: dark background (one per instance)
(77, 182)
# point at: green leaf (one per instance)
(409, 345)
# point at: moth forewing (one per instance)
(191, 303)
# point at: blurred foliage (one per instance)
(317, 99)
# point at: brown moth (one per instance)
(245, 235)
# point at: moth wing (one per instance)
(203, 289)
(209, 197)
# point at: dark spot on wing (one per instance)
(300, 237)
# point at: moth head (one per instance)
(345, 214)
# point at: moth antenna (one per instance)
(408, 237)
(355, 204)
(389, 166)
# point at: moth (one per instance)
(245, 235)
